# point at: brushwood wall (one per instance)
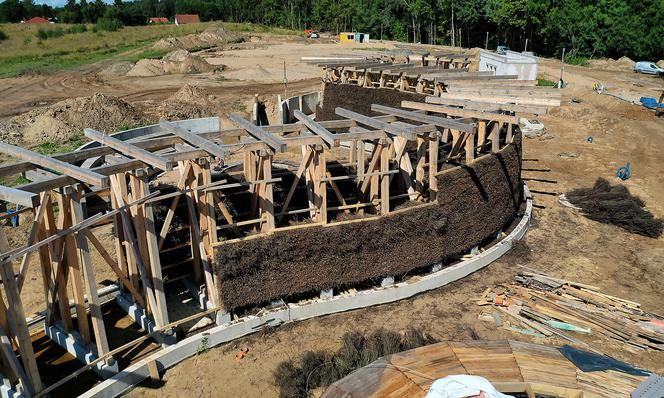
(475, 202)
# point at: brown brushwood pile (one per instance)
(476, 201)
(359, 99)
(616, 205)
(322, 368)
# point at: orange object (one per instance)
(241, 354)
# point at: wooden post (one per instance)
(268, 194)
(320, 186)
(509, 137)
(385, 181)
(470, 148)
(495, 137)
(481, 132)
(421, 160)
(16, 318)
(89, 277)
(58, 269)
(74, 265)
(433, 165)
(153, 251)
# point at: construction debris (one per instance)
(542, 305)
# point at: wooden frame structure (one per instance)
(358, 164)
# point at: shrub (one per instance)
(44, 34)
(78, 28)
(108, 24)
(3, 35)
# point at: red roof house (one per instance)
(181, 19)
(37, 20)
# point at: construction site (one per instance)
(226, 219)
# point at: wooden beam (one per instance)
(129, 149)
(487, 106)
(480, 115)
(16, 318)
(70, 170)
(514, 99)
(435, 120)
(193, 139)
(317, 129)
(275, 143)
(19, 197)
(407, 133)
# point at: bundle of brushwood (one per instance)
(540, 305)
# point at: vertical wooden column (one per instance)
(481, 132)
(308, 180)
(118, 238)
(138, 213)
(385, 156)
(495, 137)
(119, 199)
(153, 250)
(58, 268)
(421, 160)
(470, 147)
(267, 193)
(89, 276)
(509, 137)
(16, 318)
(206, 177)
(434, 141)
(72, 259)
(320, 186)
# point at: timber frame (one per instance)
(386, 160)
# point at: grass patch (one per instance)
(257, 28)
(573, 58)
(43, 34)
(545, 82)
(52, 148)
(3, 35)
(616, 205)
(107, 25)
(322, 368)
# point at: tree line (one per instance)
(588, 28)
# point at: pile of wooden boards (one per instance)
(544, 306)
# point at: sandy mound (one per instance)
(116, 69)
(68, 118)
(622, 64)
(661, 63)
(175, 62)
(210, 37)
(187, 103)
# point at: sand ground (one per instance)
(561, 241)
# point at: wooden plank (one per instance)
(486, 106)
(385, 183)
(317, 129)
(454, 78)
(520, 99)
(129, 149)
(434, 141)
(199, 245)
(435, 120)
(407, 133)
(495, 137)
(193, 139)
(16, 317)
(45, 199)
(67, 169)
(182, 182)
(493, 84)
(11, 361)
(19, 197)
(308, 154)
(268, 195)
(475, 114)
(277, 144)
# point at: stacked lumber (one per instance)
(542, 305)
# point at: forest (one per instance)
(586, 28)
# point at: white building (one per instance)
(512, 63)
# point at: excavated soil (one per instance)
(67, 119)
(176, 62)
(622, 64)
(189, 102)
(476, 201)
(210, 37)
